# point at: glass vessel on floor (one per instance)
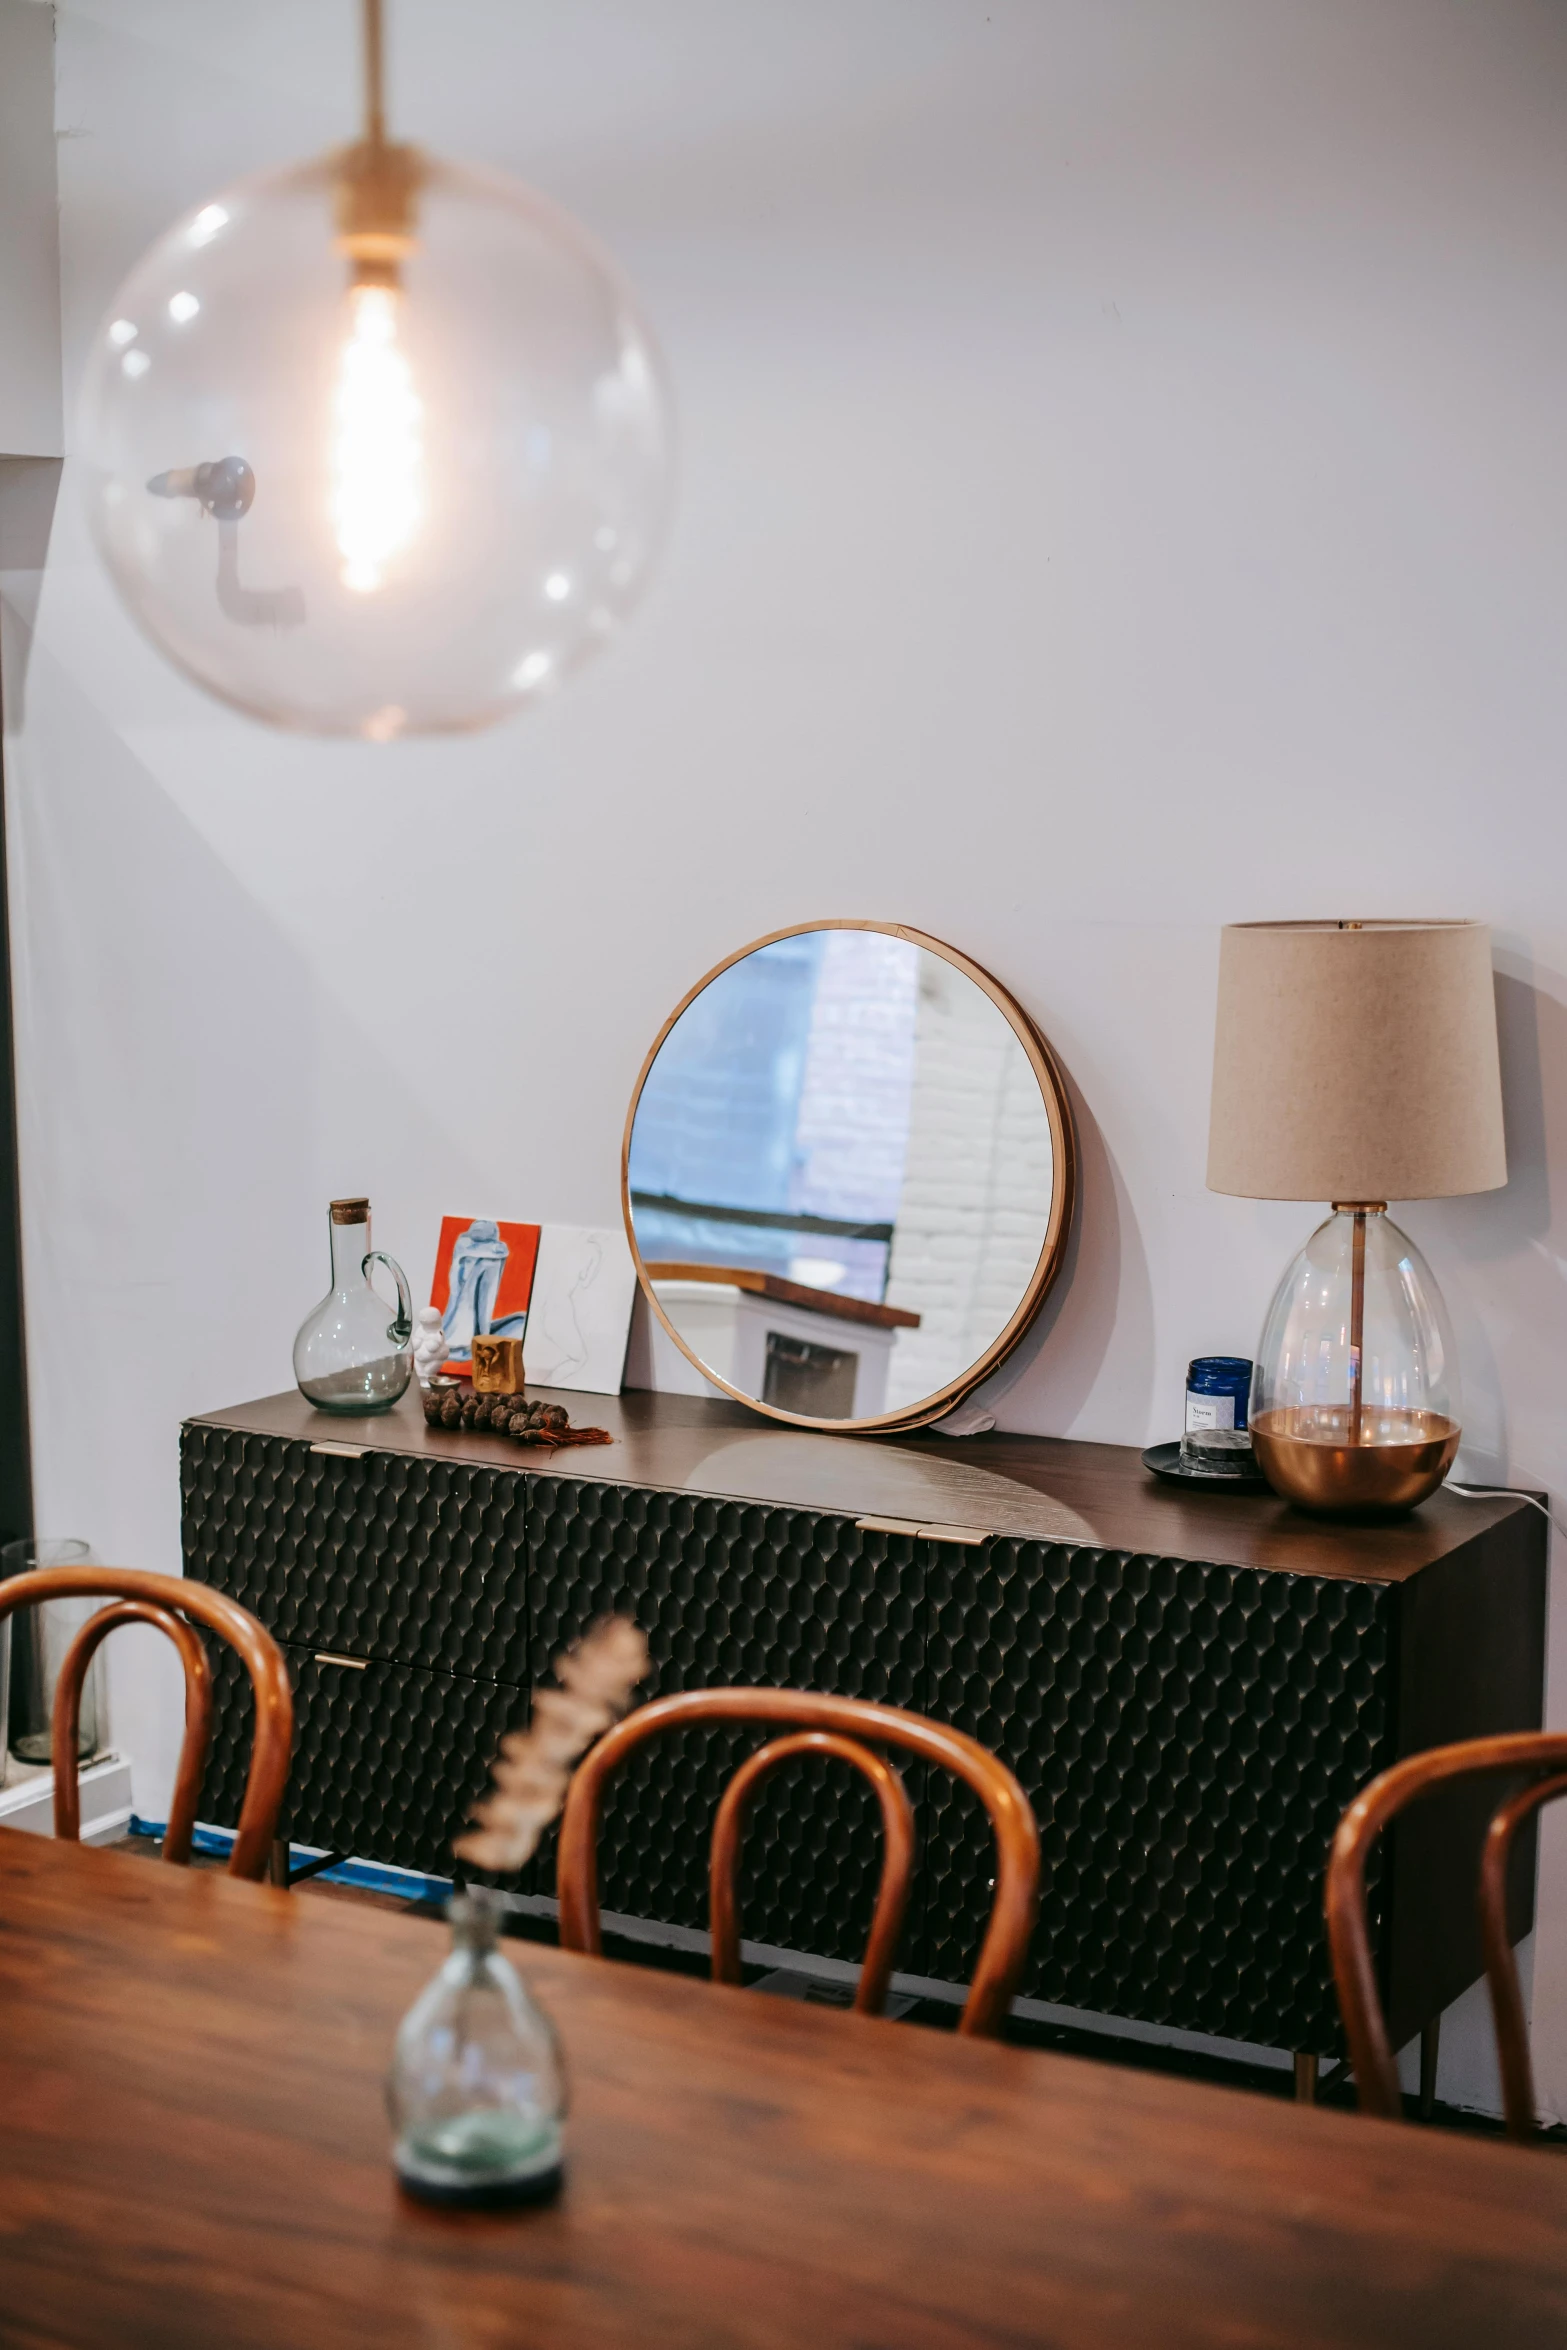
(30, 1664)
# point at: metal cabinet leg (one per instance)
(1305, 2080)
(1430, 2051)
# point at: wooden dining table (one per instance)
(194, 2151)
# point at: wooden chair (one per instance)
(167, 1601)
(1542, 1755)
(829, 1726)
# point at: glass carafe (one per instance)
(348, 1357)
(476, 2092)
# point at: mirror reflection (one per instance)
(840, 1177)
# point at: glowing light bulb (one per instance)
(377, 442)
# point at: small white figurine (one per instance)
(429, 1345)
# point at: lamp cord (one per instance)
(1502, 1493)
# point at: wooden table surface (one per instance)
(193, 2152)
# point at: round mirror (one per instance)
(848, 1178)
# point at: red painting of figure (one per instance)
(483, 1282)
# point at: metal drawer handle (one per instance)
(341, 1452)
(353, 1664)
(973, 1536)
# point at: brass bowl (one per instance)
(1306, 1454)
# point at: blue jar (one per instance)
(1218, 1401)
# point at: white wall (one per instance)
(1123, 492)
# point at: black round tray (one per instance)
(1165, 1461)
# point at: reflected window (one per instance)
(773, 1128)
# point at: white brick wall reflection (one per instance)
(976, 1189)
(852, 1127)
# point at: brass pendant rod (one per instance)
(375, 75)
(377, 182)
(1357, 1322)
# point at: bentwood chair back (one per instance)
(170, 1602)
(1541, 1757)
(821, 1725)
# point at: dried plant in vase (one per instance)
(533, 1769)
(476, 2092)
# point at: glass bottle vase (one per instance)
(347, 1356)
(476, 2091)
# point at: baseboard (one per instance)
(27, 1799)
(379, 1877)
(371, 1876)
(837, 1970)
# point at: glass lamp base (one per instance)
(1311, 1454)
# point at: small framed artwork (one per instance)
(564, 1290)
(483, 1283)
(581, 1315)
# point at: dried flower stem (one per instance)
(533, 1769)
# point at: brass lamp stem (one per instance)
(375, 76)
(1359, 1209)
(1357, 1322)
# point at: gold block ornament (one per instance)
(497, 1366)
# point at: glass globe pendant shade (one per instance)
(1355, 1401)
(376, 446)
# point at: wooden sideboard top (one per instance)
(1050, 1488)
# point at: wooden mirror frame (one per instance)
(1063, 1199)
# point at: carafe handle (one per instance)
(400, 1331)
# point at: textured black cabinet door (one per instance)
(387, 1758)
(381, 1556)
(733, 1592)
(1188, 1731)
(1188, 1735)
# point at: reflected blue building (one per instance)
(780, 1100)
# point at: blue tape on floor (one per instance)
(370, 1876)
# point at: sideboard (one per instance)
(1190, 1687)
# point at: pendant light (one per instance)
(376, 445)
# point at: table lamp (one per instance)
(1356, 1062)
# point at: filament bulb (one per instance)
(378, 441)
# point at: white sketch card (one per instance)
(579, 1316)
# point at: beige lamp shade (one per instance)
(1356, 1061)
